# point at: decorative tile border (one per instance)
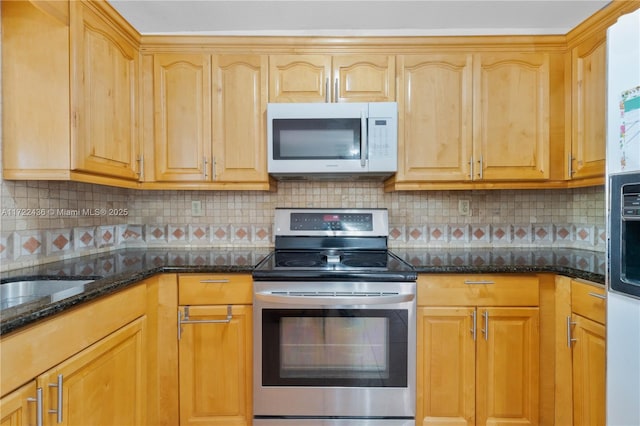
(26, 248)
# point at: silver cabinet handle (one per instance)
(599, 296)
(570, 165)
(471, 175)
(336, 89)
(220, 281)
(140, 168)
(334, 300)
(58, 409)
(480, 173)
(485, 330)
(204, 168)
(473, 325)
(471, 282)
(569, 338)
(214, 169)
(185, 319)
(38, 401)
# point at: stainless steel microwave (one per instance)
(332, 140)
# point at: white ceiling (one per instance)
(356, 17)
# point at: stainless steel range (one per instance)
(334, 323)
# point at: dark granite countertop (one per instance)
(118, 269)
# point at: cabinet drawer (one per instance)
(588, 300)
(478, 290)
(215, 289)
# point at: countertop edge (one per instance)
(110, 285)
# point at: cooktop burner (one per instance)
(336, 244)
(330, 259)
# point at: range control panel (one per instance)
(331, 222)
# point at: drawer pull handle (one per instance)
(38, 401)
(599, 296)
(470, 282)
(220, 281)
(185, 319)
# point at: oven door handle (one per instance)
(329, 300)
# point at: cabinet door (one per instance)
(434, 107)
(239, 110)
(368, 78)
(589, 356)
(511, 116)
(19, 407)
(445, 367)
(507, 366)
(215, 367)
(182, 105)
(102, 385)
(299, 78)
(588, 92)
(105, 68)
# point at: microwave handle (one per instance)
(364, 145)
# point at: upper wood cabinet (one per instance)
(435, 110)
(511, 116)
(324, 78)
(208, 122)
(69, 78)
(182, 106)
(104, 70)
(473, 117)
(588, 101)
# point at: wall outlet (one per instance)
(196, 208)
(464, 207)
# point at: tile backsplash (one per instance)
(46, 221)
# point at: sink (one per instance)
(18, 292)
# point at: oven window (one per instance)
(334, 347)
(309, 139)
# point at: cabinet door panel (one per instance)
(588, 108)
(589, 384)
(435, 117)
(508, 366)
(364, 78)
(511, 117)
(105, 141)
(104, 384)
(445, 367)
(240, 103)
(215, 368)
(182, 87)
(299, 78)
(16, 409)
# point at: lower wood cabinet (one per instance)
(580, 358)
(19, 407)
(103, 383)
(215, 349)
(477, 365)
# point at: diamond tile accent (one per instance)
(32, 245)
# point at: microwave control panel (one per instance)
(631, 202)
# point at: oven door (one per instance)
(339, 352)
